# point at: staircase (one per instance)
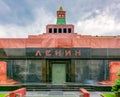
(56, 87)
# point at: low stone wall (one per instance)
(85, 92)
(17, 93)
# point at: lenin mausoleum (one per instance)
(59, 56)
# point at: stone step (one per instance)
(58, 88)
(48, 87)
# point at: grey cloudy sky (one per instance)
(19, 18)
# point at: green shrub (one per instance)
(116, 86)
(108, 95)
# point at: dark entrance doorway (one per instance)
(60, 71)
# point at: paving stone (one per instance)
(56, 93)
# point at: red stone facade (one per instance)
(57, 40)
(64, 36)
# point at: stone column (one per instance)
(3, 72)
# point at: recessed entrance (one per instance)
(58, 73)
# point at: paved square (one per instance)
(53, 94)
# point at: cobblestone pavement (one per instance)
(95, 94)
(77, 94)
(53, 94)
(60, 94)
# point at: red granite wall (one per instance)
(3, 72)
(114, 67)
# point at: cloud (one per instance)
(103, 24)
(90, 17)
(42, 18)
(15, 12)
(4, 8)
(11, 31)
